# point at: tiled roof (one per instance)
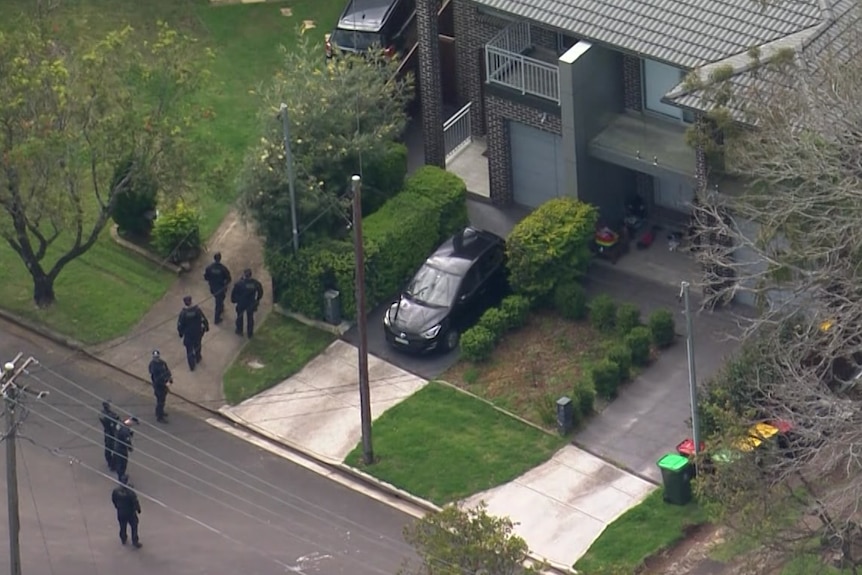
(685, 33)
(840, 37)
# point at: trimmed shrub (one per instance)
(176, 233)
(570, 301)
(135, 199)
(628, 318)
(603, 312)
(397, 237)
(585, 397)
(495, 321)
(384, 177)
(477, 343)
(447, 192)
(638, 341)
(662, 328)
(606, 378)
(516, 310)
(551, 247)
(621, 354)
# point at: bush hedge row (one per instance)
(397, 239)
(479, 341)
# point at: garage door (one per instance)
(537, 165)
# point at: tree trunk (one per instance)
(43, 290)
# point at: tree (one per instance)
(72, 111)
(458, 541)
(343, 114)
(790, 128)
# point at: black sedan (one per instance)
(456, 284)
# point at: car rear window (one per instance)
(356, 41)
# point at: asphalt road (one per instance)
(212, 503)
(428, 366)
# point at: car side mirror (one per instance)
(463, 298)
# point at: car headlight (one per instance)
(432, 333)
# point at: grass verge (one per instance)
(639, 533)
(443, 445)
(280, 348)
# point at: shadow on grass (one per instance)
(443, 445)
(280, 348)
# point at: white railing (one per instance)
(457, 133)
(506, 65)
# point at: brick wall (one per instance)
(500, 111)
(430, 89)
(632, 87)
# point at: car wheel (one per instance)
(452, 339)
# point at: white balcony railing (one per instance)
(457, 133)
(506, 65)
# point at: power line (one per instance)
(83, 519)
(39, 517)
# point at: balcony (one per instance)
(507, 65)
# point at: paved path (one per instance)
(222, 505)
(240, 249)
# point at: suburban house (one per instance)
(585, 97)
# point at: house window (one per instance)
(658, 80)
(564, 42)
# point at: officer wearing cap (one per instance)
(246, 294)
(192, 324)
(160, 376)
(218, 277)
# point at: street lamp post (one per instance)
(291, 178)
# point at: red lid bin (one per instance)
(686, 448)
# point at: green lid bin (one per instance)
(676, 474)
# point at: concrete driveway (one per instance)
(563, 505)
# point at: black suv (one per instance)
(389, 24)
(456, 284)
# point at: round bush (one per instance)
(662, 328)
(628, 318)
(638, 341)
(585, 397)
(516, 309)
(477, 343)
(495, 321)
(135, 199)
(176, 233)
(603, 311)
(620, 354)
(606, 378)
(570, 301)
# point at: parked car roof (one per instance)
(457, 254)
(365, 15)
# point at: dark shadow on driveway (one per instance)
(429, 366)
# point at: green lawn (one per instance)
(443, 445)
(639, 533)
(281, 347)
(105, 293)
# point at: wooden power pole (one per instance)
(362, 323)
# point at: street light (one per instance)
(288, 157)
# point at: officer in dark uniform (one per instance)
(123, 446)
(218, 277)
(246, 294)
(160, 376)
(109, 420)
(128, 507)
(192, 324)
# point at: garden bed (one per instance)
(533, 366)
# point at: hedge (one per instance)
(384, 177)
(397, 239)
(551, 246)
(662, 328)
(638, 341)
(477, 343)
(603, 312)
(570, 300)
(606, 378)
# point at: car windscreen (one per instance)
(353, 40)
(434, 287)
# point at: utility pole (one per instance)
(362, 323)
(291, 178)
(692, 378)
(11, 392)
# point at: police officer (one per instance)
(128, 507)
(123, 446)
(109, 420)
(218, 277)
(246, 294)
(192, 324)
(160, 375)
